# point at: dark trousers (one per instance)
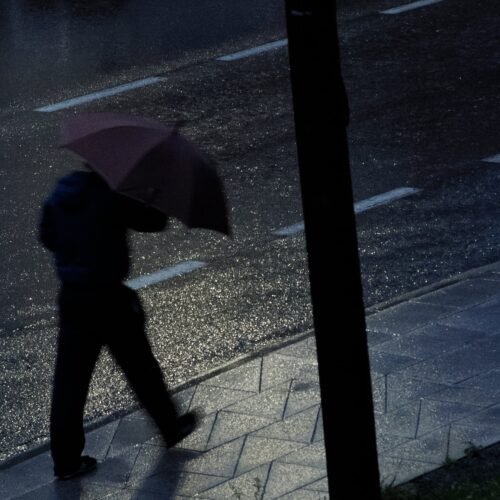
(91, 317)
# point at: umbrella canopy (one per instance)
(152, 163)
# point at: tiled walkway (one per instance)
(435, 359)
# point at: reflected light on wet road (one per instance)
(50, 44)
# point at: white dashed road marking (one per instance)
(290, 230)
(410, 6)
(94, 96)
(254, 51)
(384, 198)
(359, 207)
(165, 274)
(493, 159)
(77, 101)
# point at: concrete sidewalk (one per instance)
(435, 359)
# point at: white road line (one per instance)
(289, 230)
(410, 6)
(359, 207)
(165, 274)
(384, 199)
(77, 101)
(254, 51)
(493, 159)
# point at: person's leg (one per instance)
(78, 349)
(130, 347)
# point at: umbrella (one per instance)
(152, 163)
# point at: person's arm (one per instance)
(139, 217)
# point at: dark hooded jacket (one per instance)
(85, 225)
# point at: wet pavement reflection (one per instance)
(50, 44)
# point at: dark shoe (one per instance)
(186, 424)
(87, 464)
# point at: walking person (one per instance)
(140, 172)
(85, 224)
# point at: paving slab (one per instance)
(406, 317)
(285, 478)
(247, 485)
(395, 471)
(465, 294)
(270, 403)
(430, 448)
(260, 450)
(400, 390)
(465, 438)
(70, 491)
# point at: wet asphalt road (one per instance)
(424, 101)
(56, 46)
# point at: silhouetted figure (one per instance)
(85, 225)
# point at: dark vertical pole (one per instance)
(321, 118)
